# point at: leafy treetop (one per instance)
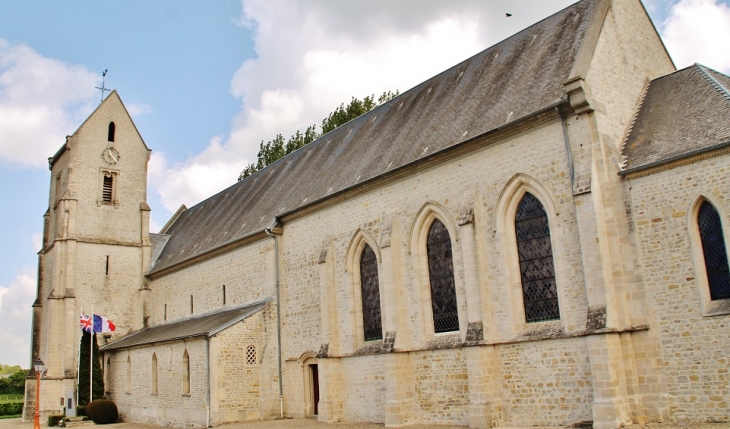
(277, 148)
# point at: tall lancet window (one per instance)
(129, 374)
(372, 326)
(153, 379)
(441, 276)
(186, 373)
(112, 130)
(537, 268)
(714, 251)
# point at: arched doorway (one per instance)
(310, 378)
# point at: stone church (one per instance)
(536, 236)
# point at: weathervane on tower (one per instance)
(102, 88)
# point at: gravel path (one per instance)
(312, 423)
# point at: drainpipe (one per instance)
(278, 314)
(567, 146)
(207, 368)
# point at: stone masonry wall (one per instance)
(694, 352)
(170, 406)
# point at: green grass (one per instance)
(6, 398)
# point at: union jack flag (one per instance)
(86, 323)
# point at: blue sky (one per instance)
(205, 82)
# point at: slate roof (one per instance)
(198, 326)
(511, 80)
(682, 114)
(158, 242)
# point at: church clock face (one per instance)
(110, 156)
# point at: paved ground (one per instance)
(311, 423)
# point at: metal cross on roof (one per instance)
(102, 88)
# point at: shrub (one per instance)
(53, 420)
(11, 409)
(102, 411)
(80, 411)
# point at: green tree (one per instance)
(16, 382)
(277, 148)
(84, 371)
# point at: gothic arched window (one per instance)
(537, 268)
(186, 373)
(112, 129)
(153, 378)
(714, 252)
(129, 374)
(441, 276)
(371, 323)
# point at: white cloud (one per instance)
(313, 55)
(37, 239)
(40, 99)
(137, 109)
(699, 31)
(15, 319)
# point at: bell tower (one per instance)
(96, 246)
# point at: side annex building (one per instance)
(534, 237)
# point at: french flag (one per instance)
(102, 324)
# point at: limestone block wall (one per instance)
(546, 381)
(247, 274)
(237, 354)
(442, 387)
(316, 251)
(170, 406)
(363, 392)
(694, 355)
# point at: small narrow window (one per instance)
(110, 136)
(129, 374)
(714, 252)
(224, 294)
(372, 326)
(164, 315)
(441, 276)
(251, 355)
(153, 378)
(537, 269)
(192, 307)
(106, 266)
(107, 192)
(186, 373)
(108, 373)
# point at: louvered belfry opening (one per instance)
(714, 251)
(108, 187)
(441, 276)
(371, 322)
(537, 268)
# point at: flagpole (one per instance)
(78, 364)
(91, 361)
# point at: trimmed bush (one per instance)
(102, 411)
(80, 411)
(53, 420)
(11, 409)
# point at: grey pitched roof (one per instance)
(203, 325)
(682, 114)
(511, 80)
(158, 242)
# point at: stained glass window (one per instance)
(370, 288)
(441, 276)
(713, 248)
(537, 269)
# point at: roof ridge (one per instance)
(720, 87)
(639, 105)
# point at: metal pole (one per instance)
(37, 414)
(91, 360)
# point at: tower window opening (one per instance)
(108, 187)
(191, 305)
(112, 128)
(106, 266)
(224, 294)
